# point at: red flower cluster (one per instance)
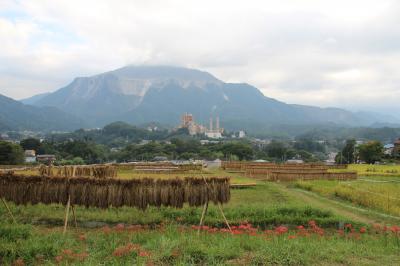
(122, 228)
(315, 228)
(281, 230)
(19, 262)
(129, 248)
(244, 228)
(70, 255)
(394, 229)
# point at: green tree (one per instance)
(371, 152)
(30, 144)
(277, 150)
(348, 153)
(242, 150)
(11, 153)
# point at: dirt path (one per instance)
(339, 208)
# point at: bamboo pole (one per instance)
(73, 214)
(219, 206)
(66, 215)
(223, 215)
(9, 211)
(203, 213)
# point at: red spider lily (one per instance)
(395, 229)
(144, 253)
(19, 262)
(106, 229)
(300, 227)
(348, 226)
(385, 228)
(377, 226)
(132, 246)
(319, 231)
(281, 229)
(70, 255)
(119, 227)
(312, 223)
(212, 230)
(82, 237)
(125, 250)
(58, 259)
(292, 237)
(237, 232)
(363, 230)
(67, 252)
(243, 227)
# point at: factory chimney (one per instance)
(211, 124)
(217, 123)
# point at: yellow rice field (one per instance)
(376, 193)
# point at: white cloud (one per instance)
(316, 52)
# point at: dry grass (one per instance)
(103, 193)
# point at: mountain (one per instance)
(35, 98)
(142, 94)
(17, 116)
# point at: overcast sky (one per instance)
(343, 53)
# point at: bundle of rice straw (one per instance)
(103, 193)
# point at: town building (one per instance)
(30, 156)
(46, 158)
(214, 133)
(187, 121)
(388, 149)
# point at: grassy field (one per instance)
(164, 236)
(177, 245)
(382, 196)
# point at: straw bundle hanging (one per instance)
(103, 193)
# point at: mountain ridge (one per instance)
(16, 116)
(142, 94)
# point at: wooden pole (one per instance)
(219, 206)
(223, 215)
(203, 213)
(9, 211)
(66, 215)
(73, 214)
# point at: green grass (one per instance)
(174, 245)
